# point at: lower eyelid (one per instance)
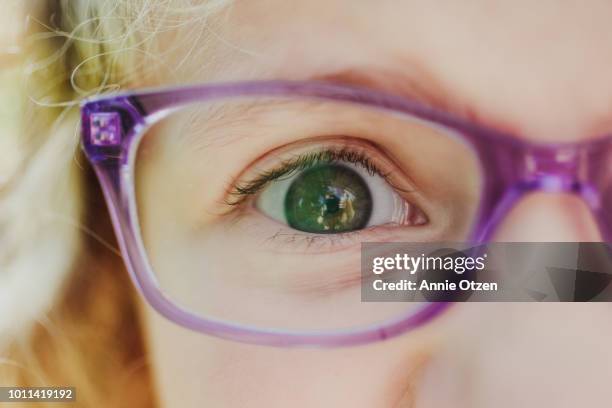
(272, 236)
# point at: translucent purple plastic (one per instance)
(511, 167)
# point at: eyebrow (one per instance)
(393, 82)
(425, 91)
(421, 88)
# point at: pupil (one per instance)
(332, 203)
(328, 198)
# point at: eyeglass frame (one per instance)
(113, 125)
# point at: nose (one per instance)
(529, 355)
(548, 217)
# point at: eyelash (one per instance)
(242, 191)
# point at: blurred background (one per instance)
(12, 26)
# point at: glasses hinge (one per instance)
(105, 129)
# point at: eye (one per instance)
(336, 197)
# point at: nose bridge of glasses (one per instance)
(557, 169)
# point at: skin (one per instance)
(538, 69)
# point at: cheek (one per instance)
(194, 370)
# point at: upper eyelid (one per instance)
(228, 114)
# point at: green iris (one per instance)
(328, 198)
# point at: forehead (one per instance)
(538, 69)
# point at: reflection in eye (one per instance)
(330, 192)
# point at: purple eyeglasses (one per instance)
(157, 152)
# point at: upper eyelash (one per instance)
(302, 162)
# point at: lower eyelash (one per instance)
(310, 240)
(318, 243)
(284, 239)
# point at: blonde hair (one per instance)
(68, 315)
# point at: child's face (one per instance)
(539, 69)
